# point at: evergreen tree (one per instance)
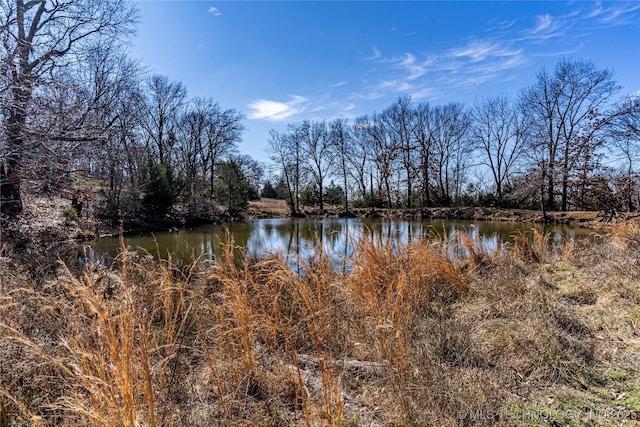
(161, 190)
(231, 189)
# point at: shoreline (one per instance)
(42, 227)
(589, 219)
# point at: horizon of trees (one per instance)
(76, 110)
(564, 143)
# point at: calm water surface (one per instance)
(301, 237)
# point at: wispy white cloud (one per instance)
(566, 52)
(367, 94)
(376, 54)
(543, 23)
(614, 15)
(425, 92)
(276, 110)
(414, 68)
(432, 75)
(396, 85)
(506, 49)
(214, 11)
(501, 25)
(313, 107)
(478, 50)
(547, 27)
(592, 16)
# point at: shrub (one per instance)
(268, 191)
(232, 188)
(69, 214)
(161, 189)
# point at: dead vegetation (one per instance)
(435, 332)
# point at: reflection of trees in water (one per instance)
(300, 238)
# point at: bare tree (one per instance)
(121, 154)
(252, 170)
(208, 135)
(286, 151)
(342, 146)
(163, 103)
(38, 38)
(111, 118)
(424, 134)
(625, 137)
(385, 153)
(452, 150)
(398, 119)
(223, 132)
(316, 146)
(499, 131)
(566, 110)
(191, 144)
(360, 154)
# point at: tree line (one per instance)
(565, 142)
(73, 105)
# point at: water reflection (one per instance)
(301, 238)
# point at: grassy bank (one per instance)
(528, 336)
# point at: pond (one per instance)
(297, 238)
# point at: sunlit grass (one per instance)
(410, 334)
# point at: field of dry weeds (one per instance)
(411, 336)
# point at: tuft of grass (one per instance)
(69, 214)
(626, 234)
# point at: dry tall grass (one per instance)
(423, 334)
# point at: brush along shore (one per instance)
(47, 222)
(533, 334)
(270, 208)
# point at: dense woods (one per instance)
(78, 116)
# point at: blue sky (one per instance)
(283, 62)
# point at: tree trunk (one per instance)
(346, 197)
(387, 187)
(427, 192)
(565, 184)
(550, 191)
(10, 180)
(631, 187)
(10, 199)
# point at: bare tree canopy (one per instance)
(38, 39)
(316, 147)
(286, 151)
(163, 104)
(499, 131)
(566, 110)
